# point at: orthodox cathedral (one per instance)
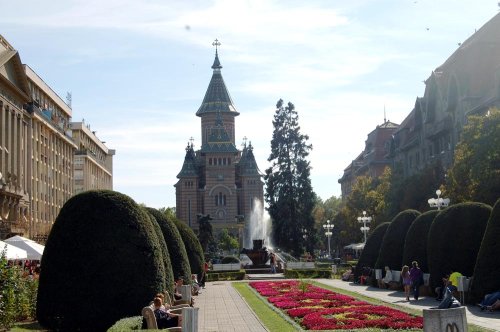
(219, 180)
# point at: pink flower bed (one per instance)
(316, 308)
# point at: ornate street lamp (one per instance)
(364, 219)
(438, 202)
(328, 232)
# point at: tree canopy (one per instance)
(475, 174)
(289, 192)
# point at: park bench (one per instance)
(189, 319)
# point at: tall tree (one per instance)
(475, 174)
(205, 235)
(289, 192)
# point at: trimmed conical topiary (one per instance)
(102, 262)
(169, 275)
(391, 250)
(454, 240)
(487, 269)
(193, 246)
(177, 250)
(416, 240)
(371, 250)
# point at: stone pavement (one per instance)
(223, 309)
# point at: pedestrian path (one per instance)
(488, 320)
(223, 309)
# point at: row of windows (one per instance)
(220, 199)
(219, 161)
(189, 184)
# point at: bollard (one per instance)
(190, 319)
(186, 293)
(452, 320)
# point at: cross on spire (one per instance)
(244, 141)
(191, 139)
(216, 43)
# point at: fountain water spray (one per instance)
(258, 226)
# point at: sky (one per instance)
(138, 71)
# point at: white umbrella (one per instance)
(34, 250)
(12, 252)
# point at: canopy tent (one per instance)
(355, 246)
(34, 250)
(12, 252)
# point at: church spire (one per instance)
(216, 65)
(217, 98)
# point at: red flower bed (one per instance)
(316, 308)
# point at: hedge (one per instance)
(454, 240)
(169, 276)
(371, 250)
(102, 262)
(193, 247)
(233, 275)
(176, 249)
(487, 269)
(391, 250)
(416, 240)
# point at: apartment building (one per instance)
(44, 158)
(93, 163)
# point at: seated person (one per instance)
(164, 318)
(494, 306)
(489, 300)
(346, 276)
(440, 290)
(384, 282)
(195, 286)
(179, 282)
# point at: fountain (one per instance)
(258, 254)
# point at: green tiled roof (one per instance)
(248, 165)
(189, 167)
(217, 98)
(218, 140)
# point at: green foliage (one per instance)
(487, 269)
(102, 262)
(17, 294)
(176, 249)
(205, 232)
(391, 250)
(415, 248)
(230, 260)
(192, 245)
(322, 212)
(308, 273)
(454, 239)
(289, 193)
(227, 241)
(475, 174)
(228, 275)
(127, 324)
(169, 275)
(372, 248)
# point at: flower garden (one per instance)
(315, 308)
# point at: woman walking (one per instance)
(405, 274)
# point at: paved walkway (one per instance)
(223, 309)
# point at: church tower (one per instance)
(219, 179)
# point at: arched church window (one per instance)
(224, 200)
(216, 201)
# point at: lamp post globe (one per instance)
(438, 202)
(328, 232)
(365, 219)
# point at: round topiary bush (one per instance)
(193, 246)
(454, 240)
(487, 269)
(102, 262)
(372, 247)
(230, 260)
(169, 275)
(391, 250)
(177, 250)
(416, 240)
